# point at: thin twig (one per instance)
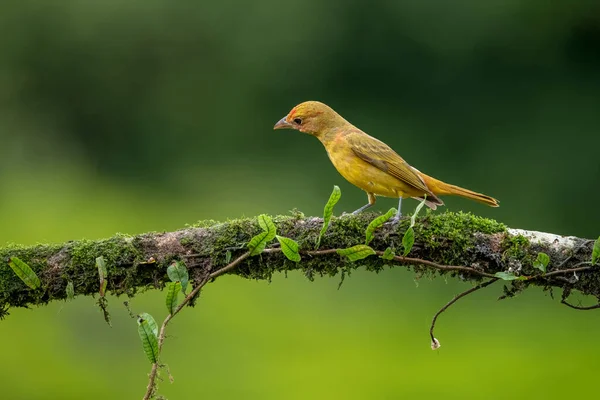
(412, 260)
(230, 266)
(151, 388)
(576, 268)
(563, 301)
(406, 260)
(308, 252)
(420, 261)
(322, 252)
(454, 300)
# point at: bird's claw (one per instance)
(394, 221)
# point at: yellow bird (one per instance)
(369, 163)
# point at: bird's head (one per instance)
(312, 117)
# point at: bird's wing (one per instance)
(380, 155)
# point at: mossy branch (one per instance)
(138, 263)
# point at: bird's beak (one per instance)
(282, 124)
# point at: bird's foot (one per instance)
(394, 221)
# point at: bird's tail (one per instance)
(442, 188)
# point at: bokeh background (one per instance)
(133, 116)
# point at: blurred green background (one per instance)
(132, 116)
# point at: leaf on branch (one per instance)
(227, 256)
(357, 252)
(102, 301)
(328, 212)
(541, 262)
(388, 254)
(178, 272)
(173, 289)
(70, 291)
(413, 219)
(508, 276)
(267, 225)
(151, 322)
(24, 272)
(258, 243)
(408, 240)
(148, 336)
(596, 251)
(103, 274)
(289, 247)
(376, 223)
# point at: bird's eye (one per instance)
(298, 121)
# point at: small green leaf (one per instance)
(408, 240)
(414, 216)
(151, 322)
(357, 252)
(376, 223)
(227, 257)
(596, 252)
(541, 262)
(149, 338)
(328, 212)
(103, 274)
(101, 265)
(173, 289)
(388, 254)
(267, 225)
(289, 248)
(507, 276)
(70, 291)
(258, 243)
(178, 272)
(24, 272)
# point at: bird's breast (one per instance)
(362, 174)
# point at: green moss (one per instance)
(449, 237)
(204, 223)
(12, 290)
(118, 250)
(186, 241)
(455, 225)
(515, 247)
(120, 255)
(517, 254)
(297, 214)
(347, 230)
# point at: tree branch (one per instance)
(458, 244)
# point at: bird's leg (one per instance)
(371, 202)
(396, 219)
